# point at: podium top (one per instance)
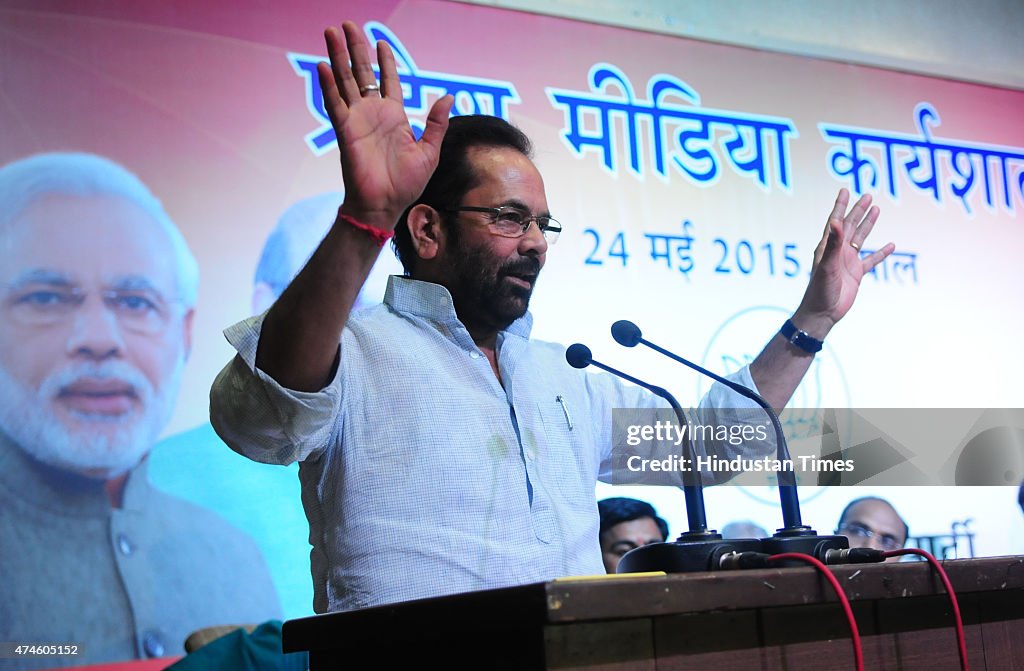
(563, 602)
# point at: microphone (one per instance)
(626, 333)
(794, 532)
(580, 356)
(698, 549)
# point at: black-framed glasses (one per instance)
(512, 222)
(858, 530)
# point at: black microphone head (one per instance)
(578, 356)
(626, 333)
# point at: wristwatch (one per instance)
(800, 339)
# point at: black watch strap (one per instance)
(799, 338)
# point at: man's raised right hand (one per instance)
(384, 168)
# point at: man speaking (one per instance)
(441, 448)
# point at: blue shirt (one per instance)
(421, 474)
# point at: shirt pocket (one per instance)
(566, 441)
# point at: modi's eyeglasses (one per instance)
(141, 310)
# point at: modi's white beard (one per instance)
(102, 446)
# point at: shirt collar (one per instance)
(434, 302)
(64, 492)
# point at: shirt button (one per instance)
(152, 644)
(475, 355)
(124, 545)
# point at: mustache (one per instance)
(528, 265)
(118, 371)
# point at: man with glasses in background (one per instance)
(97, 296)
(872, 522)
(441, 449)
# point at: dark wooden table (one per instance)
(777, 619)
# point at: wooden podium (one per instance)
(775, 619)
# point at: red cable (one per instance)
(961, 640)
(858, 653)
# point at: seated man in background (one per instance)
(872, 522)
(626, 524)
(97, 288)
(743, 529)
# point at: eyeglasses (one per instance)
(511, 222)
(856, 529)
(139, 310)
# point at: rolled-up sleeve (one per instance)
(260, 419)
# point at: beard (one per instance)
(484, 292)
(98, 445)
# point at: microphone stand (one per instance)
(699, 548)
(794, 536)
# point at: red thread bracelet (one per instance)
(379, 236)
